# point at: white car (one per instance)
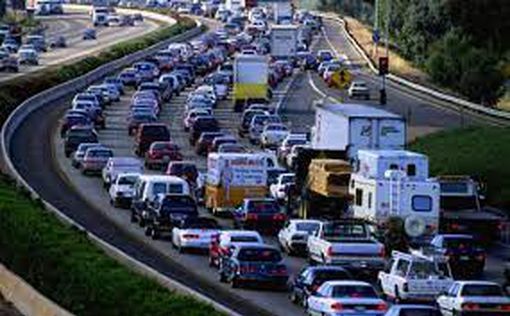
(287, 144)
(273, 134)
(113, 19)
(293, 236)
(474, 297)
(359, 89)
(415, 277)
(258, 25)
(278, 190)
(192, 114)
(119, 165)
(346, 298)
(194, 233)
(257, 124)
(122, 189)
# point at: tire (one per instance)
(397, 299)
(293, 297)
(235, 283)
(133, 217)
(155, 234)
(223, 279)
(142, 222)
(148, 230)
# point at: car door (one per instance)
(283, 234)
(299, 283)
(446, 302)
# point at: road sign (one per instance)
(376, 36)
(341, 78)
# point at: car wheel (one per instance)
(293, 297)
(148, 231)
(133, 217)
(397, 298)
(235, 283)
(141, 222)
(223, 278)
(154, 233)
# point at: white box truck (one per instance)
(284, 41)
(282, 12)
(250, 80)
(351, 127)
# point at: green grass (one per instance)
(66, 267)
(481, 151)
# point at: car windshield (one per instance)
(80, 133)
(259, 255)
(263, 207)
(307, 227)
(127, 180)
(164, 146)
(353, 291)
(482, 290)
(184, 203)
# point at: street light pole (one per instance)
(382, 99)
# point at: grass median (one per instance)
(65, 266)
(480, 151)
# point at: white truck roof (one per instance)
(357, 110)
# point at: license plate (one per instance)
(464, 257)
(359, 308)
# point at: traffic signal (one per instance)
(383, 66)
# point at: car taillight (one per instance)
(337, 306)
(470, 306)
(330, 252)
(505, 307)
(454, 227)
(190, 236)
(480, 257)
(279, 217)
(382, 252)
(281, 271)
(251, 217)
(381, 307)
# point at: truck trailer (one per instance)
(250, 80)
(284, 41)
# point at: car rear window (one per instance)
(353, 291)
(178, 201)
(419, 312)
(201, 223)
(263, 207)
(128, 180)
(244, 239)
(344, 230)
(481, 290)
(307, 227)
(155, 131)
(100, 153)
(323, 276)
(259, 255)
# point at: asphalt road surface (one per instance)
(71, 25)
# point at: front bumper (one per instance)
(123, 201)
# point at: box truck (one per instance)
(284, 41)
(350, 127)
(232, 177)
(250, 80)
(282, 12)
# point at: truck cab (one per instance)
(415, 277)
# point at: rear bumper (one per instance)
(123, 201)
(263, 279)
(195, 244)
(368, 264)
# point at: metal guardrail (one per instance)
(48, 98)
(417, 87)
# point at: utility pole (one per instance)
(384, 61)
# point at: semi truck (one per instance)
(250, 80)
(284, 41)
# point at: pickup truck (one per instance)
(346, 242)
(415, 277)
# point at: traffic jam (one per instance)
(227, 177)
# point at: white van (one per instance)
(100, 16)
(148, 187)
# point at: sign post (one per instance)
(383, 71)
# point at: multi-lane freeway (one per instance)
(42, 163)
(71, 25)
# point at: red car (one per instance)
(183, 169)
(161, 153)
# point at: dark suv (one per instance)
(202, 124)
(77, 135)
(148, 133)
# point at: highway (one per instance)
(71, 25)
(42, 163)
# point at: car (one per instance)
(10, 45)
(58, 42)
(38, 42)
(161, 153)
(80, 153)
(164, 91)
(474, 298)
(138, 17)
(173, 80)
(465, 255)
(359, 89)
(126, 20)
(231, 148)
(294, 235)
(206, 138)
(138, 118)
(251, 264)
(186, 170)
(279, 189)
(192, 115)
(201, 125)
(329, 72)
(346, 298)
(71, 120)
(95, 160)
(122, 189)
(167, 211)
(259, 213)
(119, 165)
(310, 278)
(9, 63)
(117, 82)
(89, 34)
(222, 244)
(273, 134)
(257, 125)
(88, 97)
(324, 55)
(148, 133)
(220, 140)
(220, 82)
(146, 70)
(412, 310)
(292, 139)
(295, 151)
(194, 233)
(77, 135)
(129, 77)
(28, 57)
(113, 19)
